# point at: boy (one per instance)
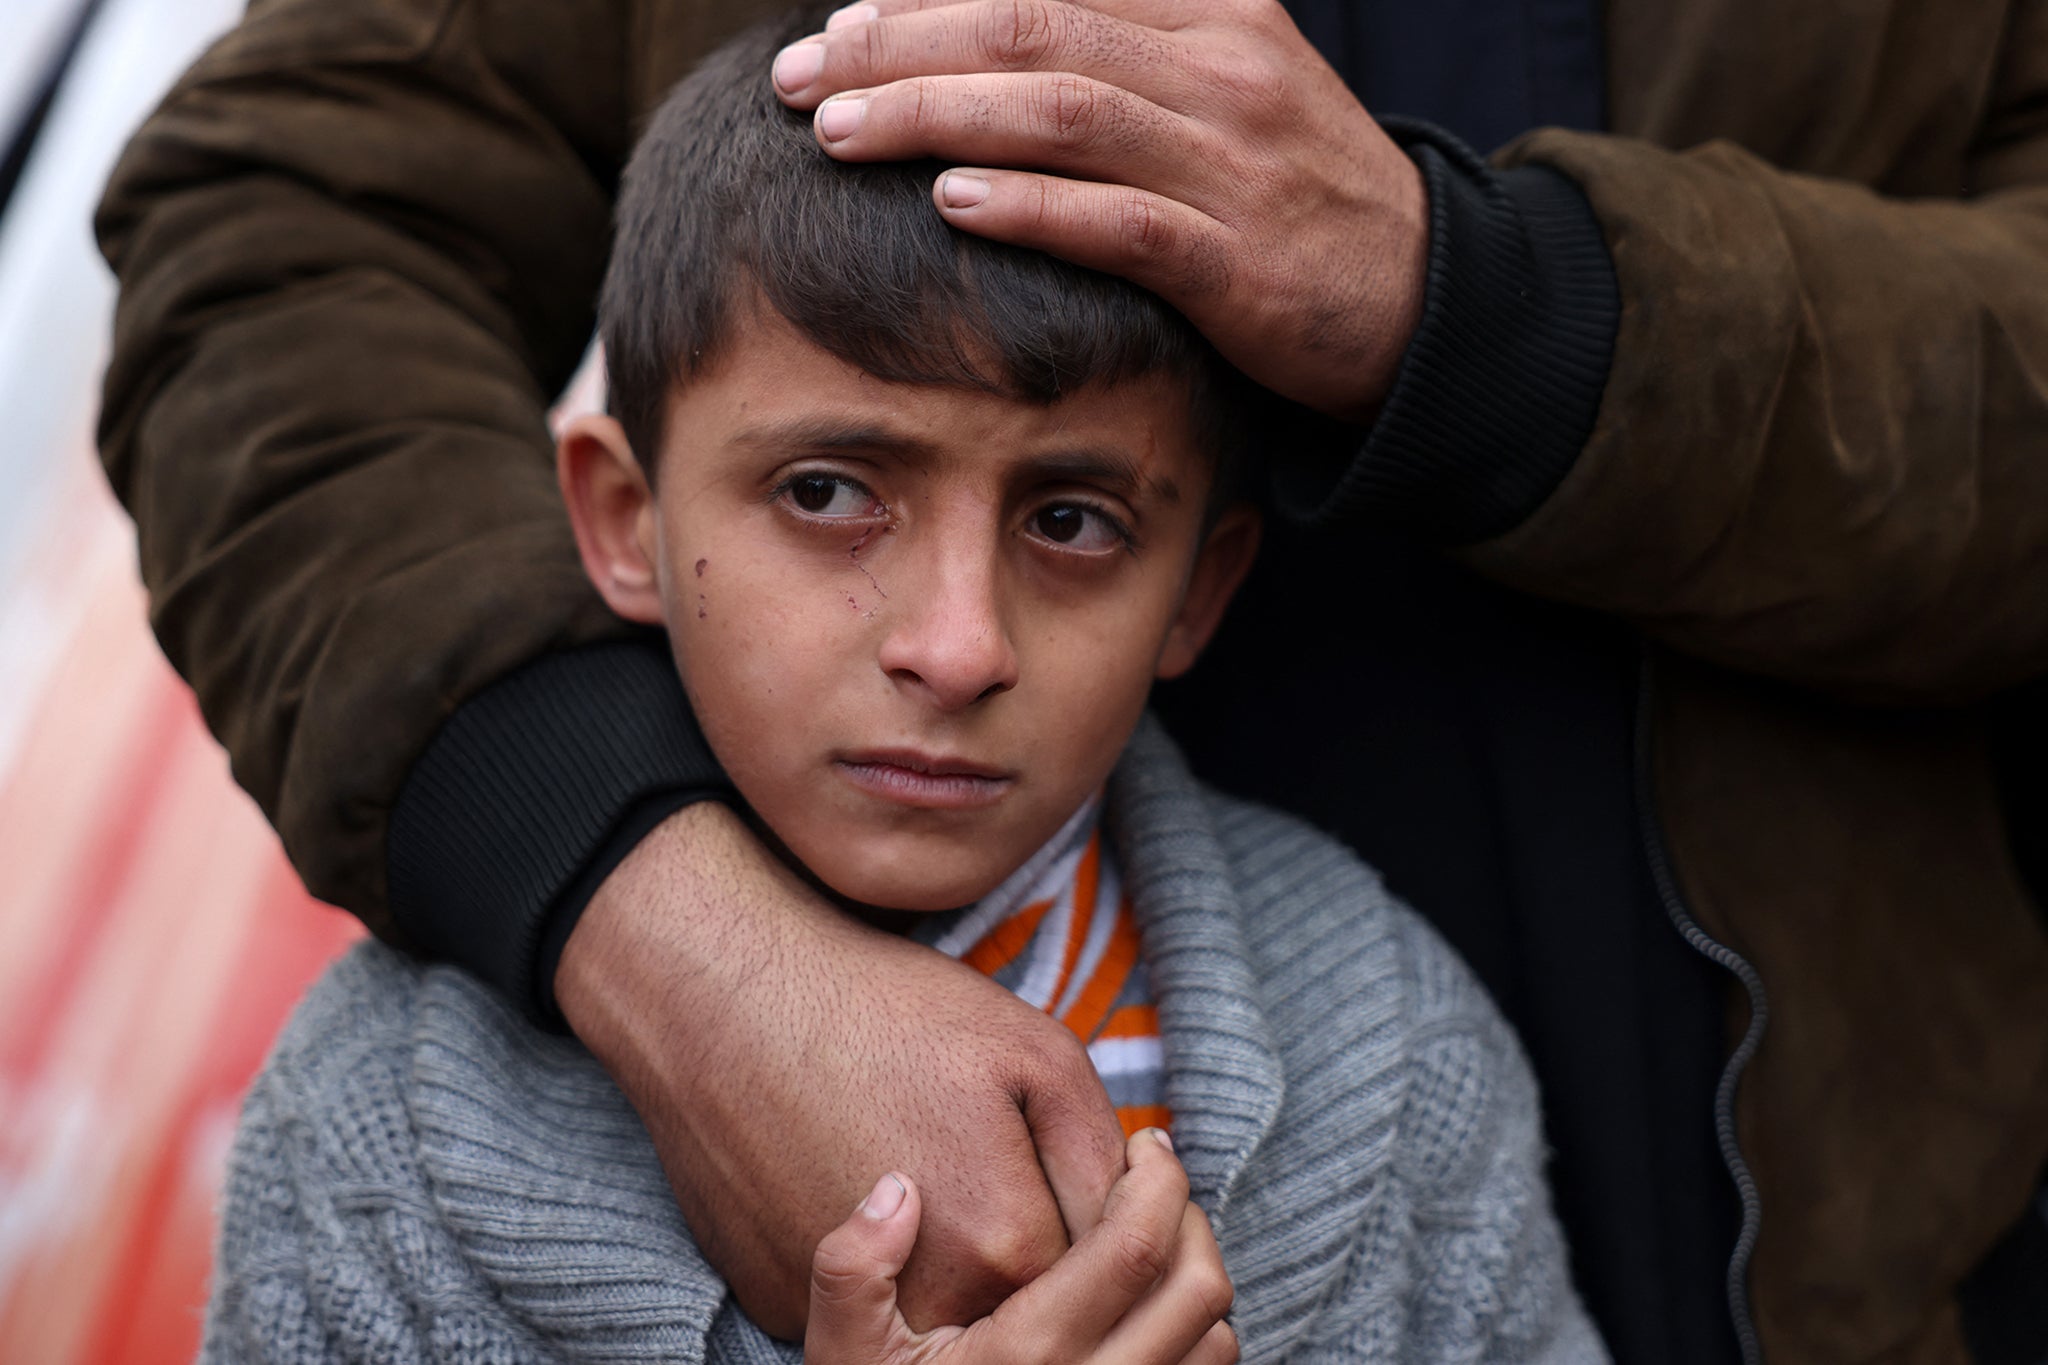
(923, 517)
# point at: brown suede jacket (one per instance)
(1818, 477)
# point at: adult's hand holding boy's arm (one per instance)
(1146, 1284)
(781, 1053)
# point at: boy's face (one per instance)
(917, 623)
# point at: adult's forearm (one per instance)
(782, 1054)
(527, 799)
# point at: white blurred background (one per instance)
(151, 936)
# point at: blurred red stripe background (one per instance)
(152, 937)
(156, 939)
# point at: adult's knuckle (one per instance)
(1267, 73)
(921, 111)
(1256, 13)
(1076, 111)
(1147, 232)
(866, 46)
(1045, 1066)
(1011, 1250)
(1039, 210)
(1196, 268)
(1022, 35)
(1060, 1055)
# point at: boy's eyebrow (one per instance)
(826, 433)
(1106, 465)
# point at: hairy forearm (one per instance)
(696, 913)
(783, 1055)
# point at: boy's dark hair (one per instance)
(728, 196)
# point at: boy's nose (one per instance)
(947, 638)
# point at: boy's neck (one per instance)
(955, 931)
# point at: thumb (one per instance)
(1080, 1144)
(853, 1278)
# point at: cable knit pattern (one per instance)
(422, 1176)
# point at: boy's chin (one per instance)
(883, 886)
(878, 893)
(877, 898)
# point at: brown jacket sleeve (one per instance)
(358, 247)
(1822, 451)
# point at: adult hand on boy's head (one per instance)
(1201, 148)
(781, 1053)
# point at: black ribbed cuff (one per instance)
(529, 794)
(1497, 391)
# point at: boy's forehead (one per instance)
(771, 390)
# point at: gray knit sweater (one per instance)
(419, 1176)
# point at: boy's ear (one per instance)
(1220, 566)
(612, 509)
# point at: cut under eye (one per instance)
(1082, 529)
(819, 494)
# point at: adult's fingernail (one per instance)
(884, 1199)
(851, 14)
(1163, 1138)
(840, 115)
(960, 190)
(797, 65)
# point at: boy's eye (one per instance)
(830, 495)
(1079, 528)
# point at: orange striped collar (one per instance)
(1062, 934)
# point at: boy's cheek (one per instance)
(751, 659)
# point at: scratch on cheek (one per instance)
(854, 555)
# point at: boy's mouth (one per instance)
(932, 781)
